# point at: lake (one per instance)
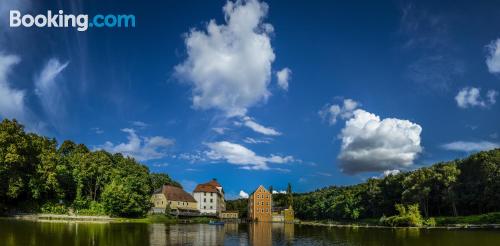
(16, 232)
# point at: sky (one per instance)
(312, 93)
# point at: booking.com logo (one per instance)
(61, 20)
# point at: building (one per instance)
(176, 199)
(283, 215)
(210, 198)
(229, 215)
(259, 205)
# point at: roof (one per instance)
(214, 183)
(206, 188)
(173, 193)
(211, 187)
(251, 194)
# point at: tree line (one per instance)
(460, 187)
(38, 175)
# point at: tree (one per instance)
(289, 195)
(159, 179)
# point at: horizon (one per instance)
(262, 92)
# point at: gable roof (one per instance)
(211, 187)
(173, 193)
(206, 188)
(251, 194)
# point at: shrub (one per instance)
(54, 208)
(430, 222)
(408, 216)
(94, 208)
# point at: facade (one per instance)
(210, 198)
(259, 205)
(229, 215)
(178, 201)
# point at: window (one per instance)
(211, 207)
(211, 200)
(178, 203)
(204, 193)
(211, 194)
(204, 200)
(204, 207)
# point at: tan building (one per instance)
(178, 201)
(229, 215)
(259, 205)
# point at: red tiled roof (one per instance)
(206, 188)
(214, 183)
(173, 193)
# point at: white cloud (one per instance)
(471, 97)
(49, 91)
(279, 192)
(12, 101)
(331, 112)
(371, 144)
(243, 194)
(140, 124)
(493, 57)
(97, 130)
(256, 127)
(250, 140)
(141, 148)
(283, 77)
(229, 65)
(465, 146)
(219, 130)
(391, 172)
(240, 155)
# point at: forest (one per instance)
(461, 187)
(456, 188)
(38, 175)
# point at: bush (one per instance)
(408, 216)
(54, 208)
(95, 208)
(430, 222)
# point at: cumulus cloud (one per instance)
(331, 112)
(256, 127)
(283, 77)
(391, 172)
(240, 155)
(371, 144)
(465, 146)
(471, 97)
(50, 93)
(229, 65)
(493, 57)
(279, 192)
(243, 194)
(141, 148)
(12, 101)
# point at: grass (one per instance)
(160, 218)
(489, 218)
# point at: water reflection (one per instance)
(14, 232)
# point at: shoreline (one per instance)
(367, 225)
(64, 218)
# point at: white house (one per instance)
(210, 198)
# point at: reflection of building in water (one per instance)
(231, 228)
(260, 233)
(200, 234)
(158, 234)
(283, 232)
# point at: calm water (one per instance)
(13, 232)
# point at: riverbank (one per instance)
(150, 219)
(489, 221)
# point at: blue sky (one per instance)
(311, 93)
